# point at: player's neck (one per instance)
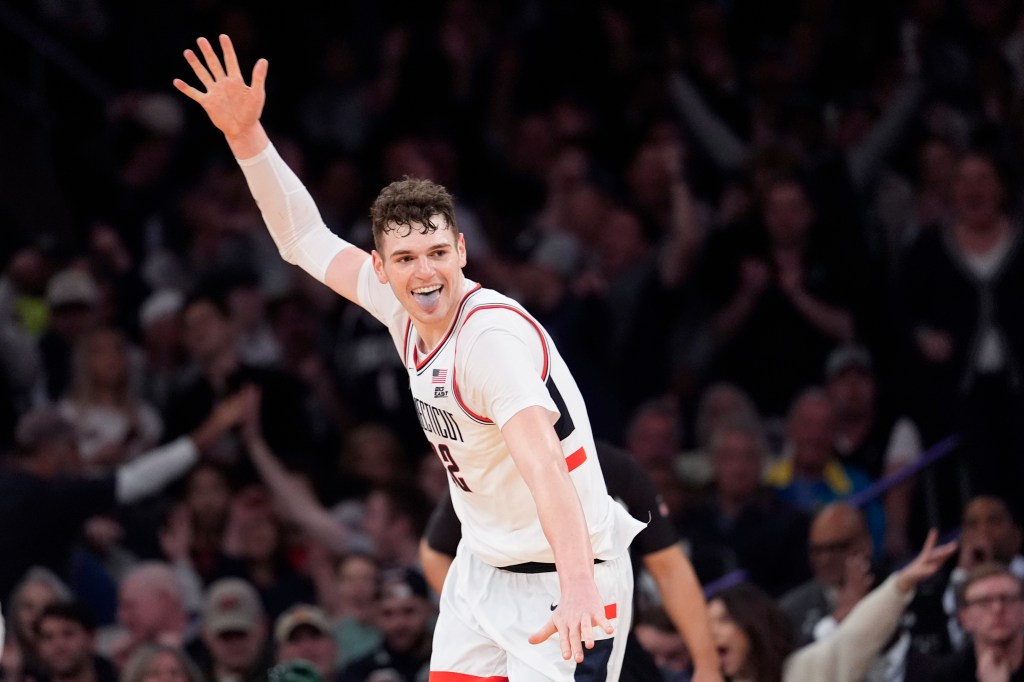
(429, 335)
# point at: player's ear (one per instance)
(460, 246)
(378, 267)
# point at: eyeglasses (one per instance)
(990, 600)
(837, 547)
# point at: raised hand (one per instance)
(578, 612)
(925, 564)
(232, 106)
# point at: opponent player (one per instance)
(542, 541)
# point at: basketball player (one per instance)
(544, 548)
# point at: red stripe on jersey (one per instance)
(405, 344)
(575, 459)
(420, 364)
(436, 676)
(611, 611)
(543, 346)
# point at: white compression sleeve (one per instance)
(290, 213)
(153, 470)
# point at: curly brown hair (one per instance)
(408, 204)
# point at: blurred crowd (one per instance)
(778, 244)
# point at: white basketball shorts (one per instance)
(487, 614)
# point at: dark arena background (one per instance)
(778, 243)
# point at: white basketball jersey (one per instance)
(461, 416)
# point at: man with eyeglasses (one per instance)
(991, 610)
(838, 534)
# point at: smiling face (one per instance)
(424, 269)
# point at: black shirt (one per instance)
(41, 518)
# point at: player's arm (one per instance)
(501, 358)
(288, 209)
(440, 542)
(536, 450)
(683, 600)
(435, 565)
(663, 557)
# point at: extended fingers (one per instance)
(259, 74)
(544, 633)
(187, 89)
(197, 66)
(230, 58)
(601, 620)
(587, 632)
(212, 61)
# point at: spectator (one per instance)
(207, 500)
(234, 631)
(867, 439)
(654, 435)
(44, 499)
(113, 424)
(991, 610)
(256, 343)
(371, 456)
(160, 663)
(810, 475)
(838, 535)
(304, 633)
(355, 629)
(781, 301)
(403, 616)
(740, 523)
(957, 290)
(256, 549)
(162, 345)
(988, 534)
(395, 518)
(150, 610)
(74, 300)
(659, 637)
(66, 639)
(211, 342)
(718, 403)
(37, 590)
(756, 643)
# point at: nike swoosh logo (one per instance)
(554, 606)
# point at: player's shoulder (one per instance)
(491, 311)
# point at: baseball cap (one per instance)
(402, 583)
(160, 304)
(232, 604)
(72, 286)
(849, 356)
(297, 616)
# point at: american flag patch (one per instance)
(439, 376)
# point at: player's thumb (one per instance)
(544, 633)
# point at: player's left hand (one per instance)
(579, 611)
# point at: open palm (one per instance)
(232, 106)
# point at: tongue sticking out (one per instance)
(429, 300)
